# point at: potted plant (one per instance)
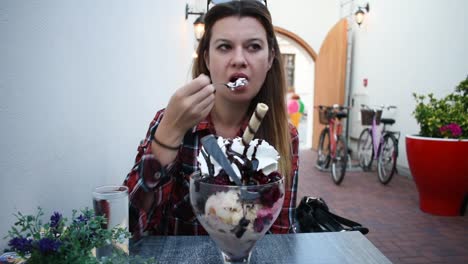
(438, 156)
(33, 241)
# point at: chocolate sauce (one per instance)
(247, 167)
(256, 148)
(246, 148)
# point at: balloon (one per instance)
(295, 118)
(301, 107)
(293, 106)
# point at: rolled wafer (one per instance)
(254, 123)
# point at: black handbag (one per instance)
(313, 215)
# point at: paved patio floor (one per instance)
(397, 226)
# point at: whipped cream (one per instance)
(258, 149)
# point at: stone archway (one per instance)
(309, 53)
(298, 40)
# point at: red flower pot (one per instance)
(440, 170)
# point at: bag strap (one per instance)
(326, 221)
(334, 222)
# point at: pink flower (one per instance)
(452, 130)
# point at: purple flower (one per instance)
(47, 245)
(81, 219)
(451, 130)
(55, 219)
(21, 244)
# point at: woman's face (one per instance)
(238, 48)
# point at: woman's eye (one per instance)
(254, 47)
(224, 47)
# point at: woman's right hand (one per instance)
(187, 107)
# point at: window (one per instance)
(289, 65)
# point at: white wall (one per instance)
(79, 83)
(309, 19)
(410, 46)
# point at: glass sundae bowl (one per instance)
(235, 217)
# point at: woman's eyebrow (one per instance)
(223, 40)
(255, 39)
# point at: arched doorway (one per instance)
(330, 71)
(304, 59)
(298, 40)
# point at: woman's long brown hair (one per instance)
(275, 127)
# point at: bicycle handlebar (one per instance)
(333, 107)
(379, 107)
(332, 112)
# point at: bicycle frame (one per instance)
(332, 146)
(336, 128)
(378, 138)
(375, 137)
(381, 146)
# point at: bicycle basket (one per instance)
(367, 115)
(323, 115)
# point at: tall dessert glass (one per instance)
(234, 222)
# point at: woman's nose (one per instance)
(239, 59)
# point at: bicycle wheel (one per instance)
(340, 162)
(365, 149)
(323, 155)
(388, 155)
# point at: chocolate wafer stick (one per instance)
(254, 123)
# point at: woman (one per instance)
(239, 41)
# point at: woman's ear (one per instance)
(271, 58)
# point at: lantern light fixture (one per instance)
(199, 24)
(359, 15)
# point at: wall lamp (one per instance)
(359, 15)
(199, 24)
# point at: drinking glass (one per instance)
(233, 222)
(111, 201)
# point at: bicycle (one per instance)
(332, 148)
(385, 144)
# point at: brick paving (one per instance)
(398, 228)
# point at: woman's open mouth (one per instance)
(236, 83)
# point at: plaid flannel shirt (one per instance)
(170, 212)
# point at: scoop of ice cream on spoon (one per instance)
(239, 82)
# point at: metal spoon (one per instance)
(235, 84)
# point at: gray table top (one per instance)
(333, 247)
